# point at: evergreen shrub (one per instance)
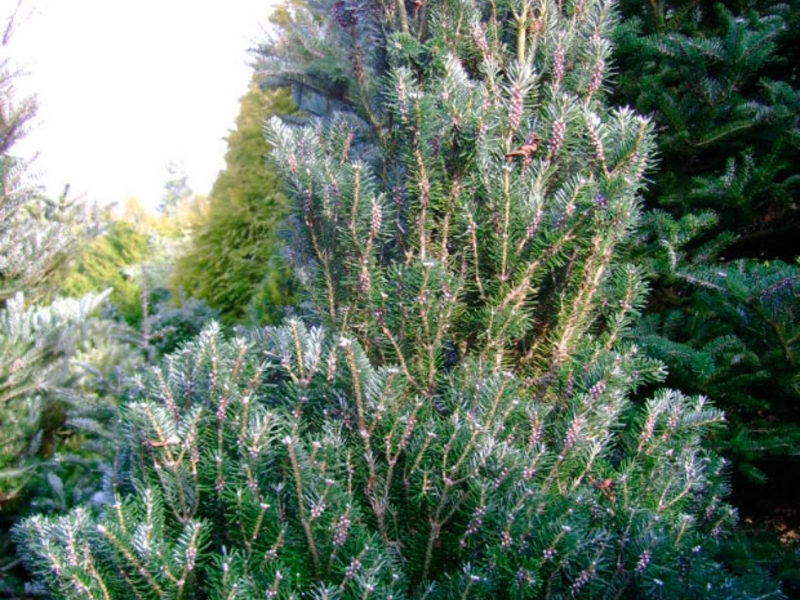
(459, 423)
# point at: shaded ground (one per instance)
(770, 521)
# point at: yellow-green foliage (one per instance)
(232, 262)
(106, 262)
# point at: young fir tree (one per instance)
(718, 85)
(736, 336)
(60, 368)
(36, 345)
(56, 357)
(461, 426)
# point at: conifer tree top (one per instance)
(483, 162)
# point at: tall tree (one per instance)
(108, 262)
(56, 356)
(233, 261)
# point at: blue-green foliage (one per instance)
(462, 424)
(244, 473)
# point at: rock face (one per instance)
(315, 103)
(305, 98)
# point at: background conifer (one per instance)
(720, 240)
(233, 260)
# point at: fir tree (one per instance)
(36, 345)
(37, 342)
(720, 84)
(461, 425)
(737, 337)
(36, 233)
(727, 106)
(61, 371)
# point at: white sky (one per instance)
(125, 86)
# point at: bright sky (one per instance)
(126, 86)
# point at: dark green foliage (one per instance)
(172, 325)
(757, 545)
(728, 127)
(719, 82)
(233, 261)
(737, 339)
